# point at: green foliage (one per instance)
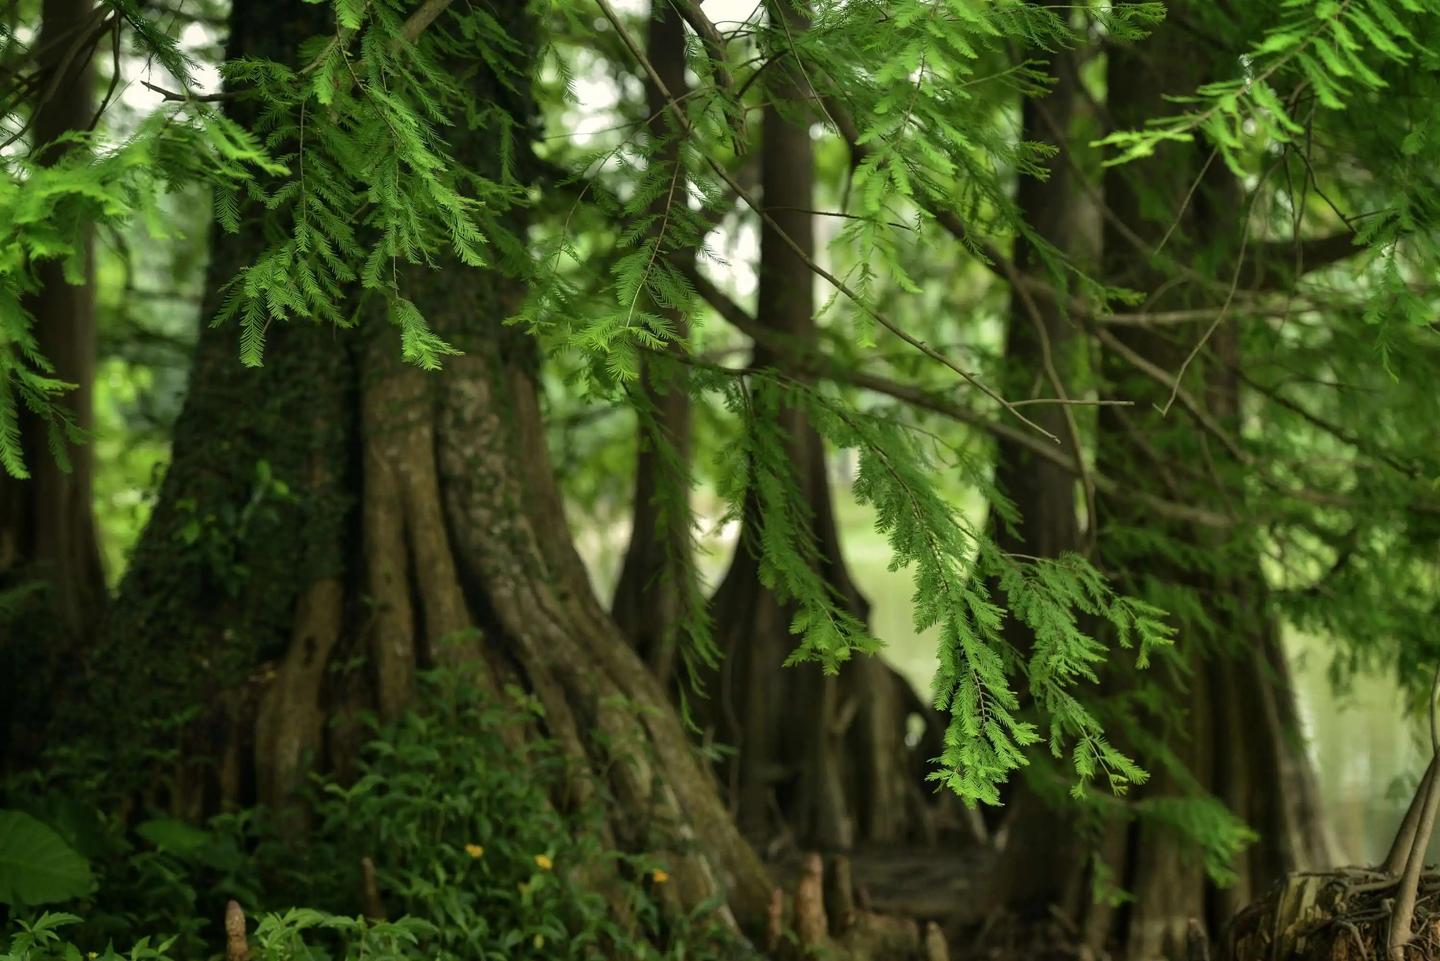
(1339, 49)
(957, 572)
(346, 170)
(43, 940)
(459, 839)
(455, 805)
(372, 182)
(299, 934)
(303, 934)
(45, 211)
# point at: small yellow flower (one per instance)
(660, 876)
(91, 955)
(474, 850)
(543, 862)
(539, 941)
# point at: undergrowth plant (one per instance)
(473, 858)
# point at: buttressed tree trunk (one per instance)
(822, 760)
(656, 579)
(337, 508)
(1238, 736)
(47, 524)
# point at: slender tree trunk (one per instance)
(843, 773)
(47, 523)
(335, 521)
(657, 579)
(1237, 737)
(1041, 359)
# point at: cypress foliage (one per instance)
(1323, 116)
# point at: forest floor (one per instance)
(939, 882)
(924, 882)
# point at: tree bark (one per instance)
(47, 523)
(336, 507)
(1237, 737)
(842, 773)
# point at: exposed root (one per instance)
(1427, 799)
(1344, 916)
(237, 946)
(374, 905)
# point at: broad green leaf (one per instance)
(36, 865)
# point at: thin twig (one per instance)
(174, 97)
(1229, 293)
(114, 77)
(1160, 375)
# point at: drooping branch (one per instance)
(880, 317)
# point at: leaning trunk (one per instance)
(335, 521)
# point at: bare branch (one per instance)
(815, 364)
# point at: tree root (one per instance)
(1421, 829)
(825, 920)
(237, 946)
(1356, 914)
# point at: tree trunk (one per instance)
(47, 524)
(1241, 739)
(1040, 354)
(336, 508)
(1238, 737)
(820, 760)
(657, 580)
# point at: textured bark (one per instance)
(656, 579)
(1239, 736)
(402, 520)
(843, 773)
(47, 524)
